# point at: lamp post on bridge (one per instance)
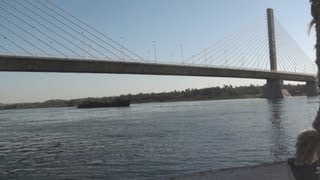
(122, 49)
(171, 55)
(205, 57)
(35, 42)
(155, 51)
(181, 47)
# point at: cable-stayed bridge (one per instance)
(39, 36)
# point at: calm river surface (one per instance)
(149, 140)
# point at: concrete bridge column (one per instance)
(274, 89)
(312, 88)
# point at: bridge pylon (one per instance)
(312, 88)
(274, 87)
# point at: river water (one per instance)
(150, 140)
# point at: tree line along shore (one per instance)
(212, 93)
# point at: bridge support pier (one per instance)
(312, 88)
(274, 89)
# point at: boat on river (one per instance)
(105, 103)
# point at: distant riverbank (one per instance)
(213, 93)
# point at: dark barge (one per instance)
(105, 104)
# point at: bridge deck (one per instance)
(63, 65)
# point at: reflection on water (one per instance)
(278, 135)
(149, 140)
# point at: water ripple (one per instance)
(149, 140)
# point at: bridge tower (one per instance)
(274, 87)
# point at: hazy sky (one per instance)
(195, 24)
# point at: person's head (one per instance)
(308, 147)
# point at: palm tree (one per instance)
(315, 12)
(308, 142)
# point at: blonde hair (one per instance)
(307, 147)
